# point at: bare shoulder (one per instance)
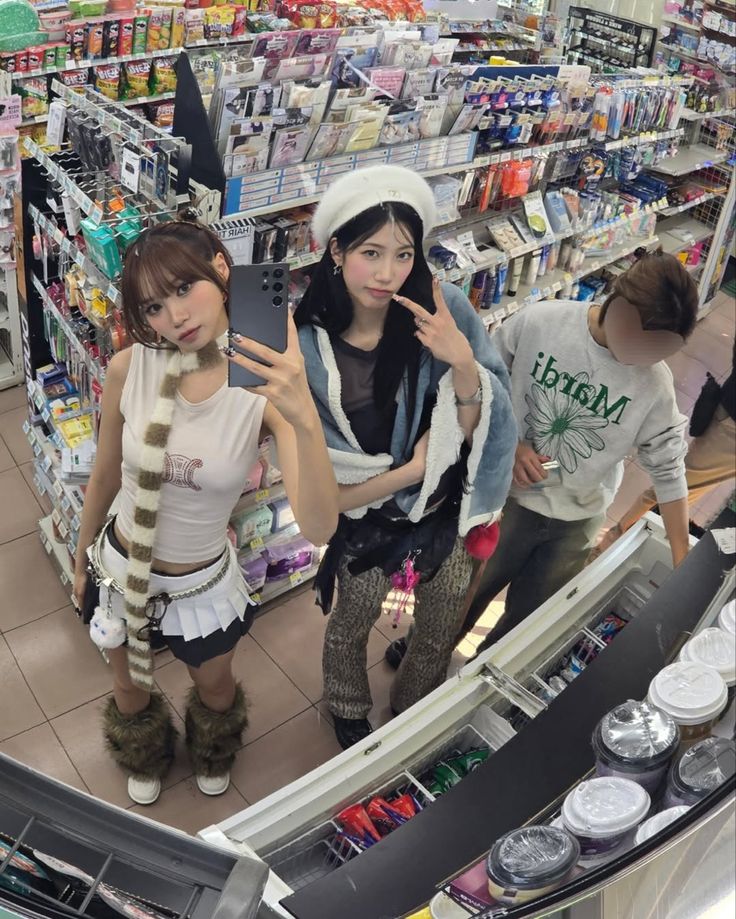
(117, 369)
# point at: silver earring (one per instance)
(337, 269)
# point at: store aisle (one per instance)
(53, 682)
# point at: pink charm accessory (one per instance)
(404, 581)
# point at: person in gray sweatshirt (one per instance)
(589, 385)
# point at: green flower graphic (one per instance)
(562, 428)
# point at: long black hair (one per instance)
(327, 302)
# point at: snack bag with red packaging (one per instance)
(74, 79)
(240, 21)
(358, 826)
(107, 80)
(126, 31)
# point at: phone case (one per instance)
(259, 309)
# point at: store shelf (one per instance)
(139, 100)
(690, 115)
(77, 256)
(57, 551)
(92, 365)
(216, 42)
(689, 205)
(698, 156)
(681, 24)
(477, 162)
(100, 62)
(278, 588)
(545, 288)
(696, 231)
(260, 496)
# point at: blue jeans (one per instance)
(536, 556)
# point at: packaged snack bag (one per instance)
(160, 114)
(177, 27)
(107, 80)
(164, 39)
(163, 75)
(74, 79)
(76, 39)
(136, 75)
(193, 26)
(34, 97)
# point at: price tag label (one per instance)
(46, 463)
(256, 598)
(505, 156)
(76, 522)
(66, 504)
(295, 578)
(37, 451)
(263, 495)
(58, 490)
(256, 544)
(26, 426)
(63, 529)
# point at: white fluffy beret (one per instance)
(362, 189)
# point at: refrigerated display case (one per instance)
(503, 700)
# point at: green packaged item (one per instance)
(49, 57)
(445, 776)
(469, 761)
(140, 32)
(19, 26)
(61, 55)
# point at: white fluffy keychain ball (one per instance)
(106, 630)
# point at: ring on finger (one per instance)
(420, 323)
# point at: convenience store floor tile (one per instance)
(53, 683)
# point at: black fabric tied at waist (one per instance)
(380, 541)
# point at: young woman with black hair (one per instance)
(415, 407)
(177, 443)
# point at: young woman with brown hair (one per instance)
(177, 443)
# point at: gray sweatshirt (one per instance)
(575, 403)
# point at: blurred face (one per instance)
(192, 315)
(377, 269)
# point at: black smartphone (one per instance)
(259, 309)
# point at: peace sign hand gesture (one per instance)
(439, 332)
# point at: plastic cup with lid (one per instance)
(636, 741)
(530, 862)
(602, 813)
(700, 770)
(727, 618)
(717, 649)
(658, 822)
(693, 694)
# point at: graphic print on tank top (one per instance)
(179, 470)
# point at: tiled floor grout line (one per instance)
(37, 619)
(69, 757)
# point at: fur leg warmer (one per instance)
(142, 744)
(214, 738)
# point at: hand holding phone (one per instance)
(529, 466)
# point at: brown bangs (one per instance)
(162, 259)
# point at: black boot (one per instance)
(350, 731)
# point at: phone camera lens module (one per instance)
(277, 301)
(278, 272)
(278, 286)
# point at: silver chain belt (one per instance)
(103, 578)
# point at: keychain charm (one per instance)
(404, 581)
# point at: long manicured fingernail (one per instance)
(228, 352)
(236, 336)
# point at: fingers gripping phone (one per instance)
(259, 309)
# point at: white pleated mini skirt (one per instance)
(191, 617)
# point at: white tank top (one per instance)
(212, 446)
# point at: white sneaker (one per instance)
(215, 785)
(143, 791)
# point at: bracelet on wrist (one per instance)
(475, 399)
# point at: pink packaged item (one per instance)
(287, 555)
(254, 478)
